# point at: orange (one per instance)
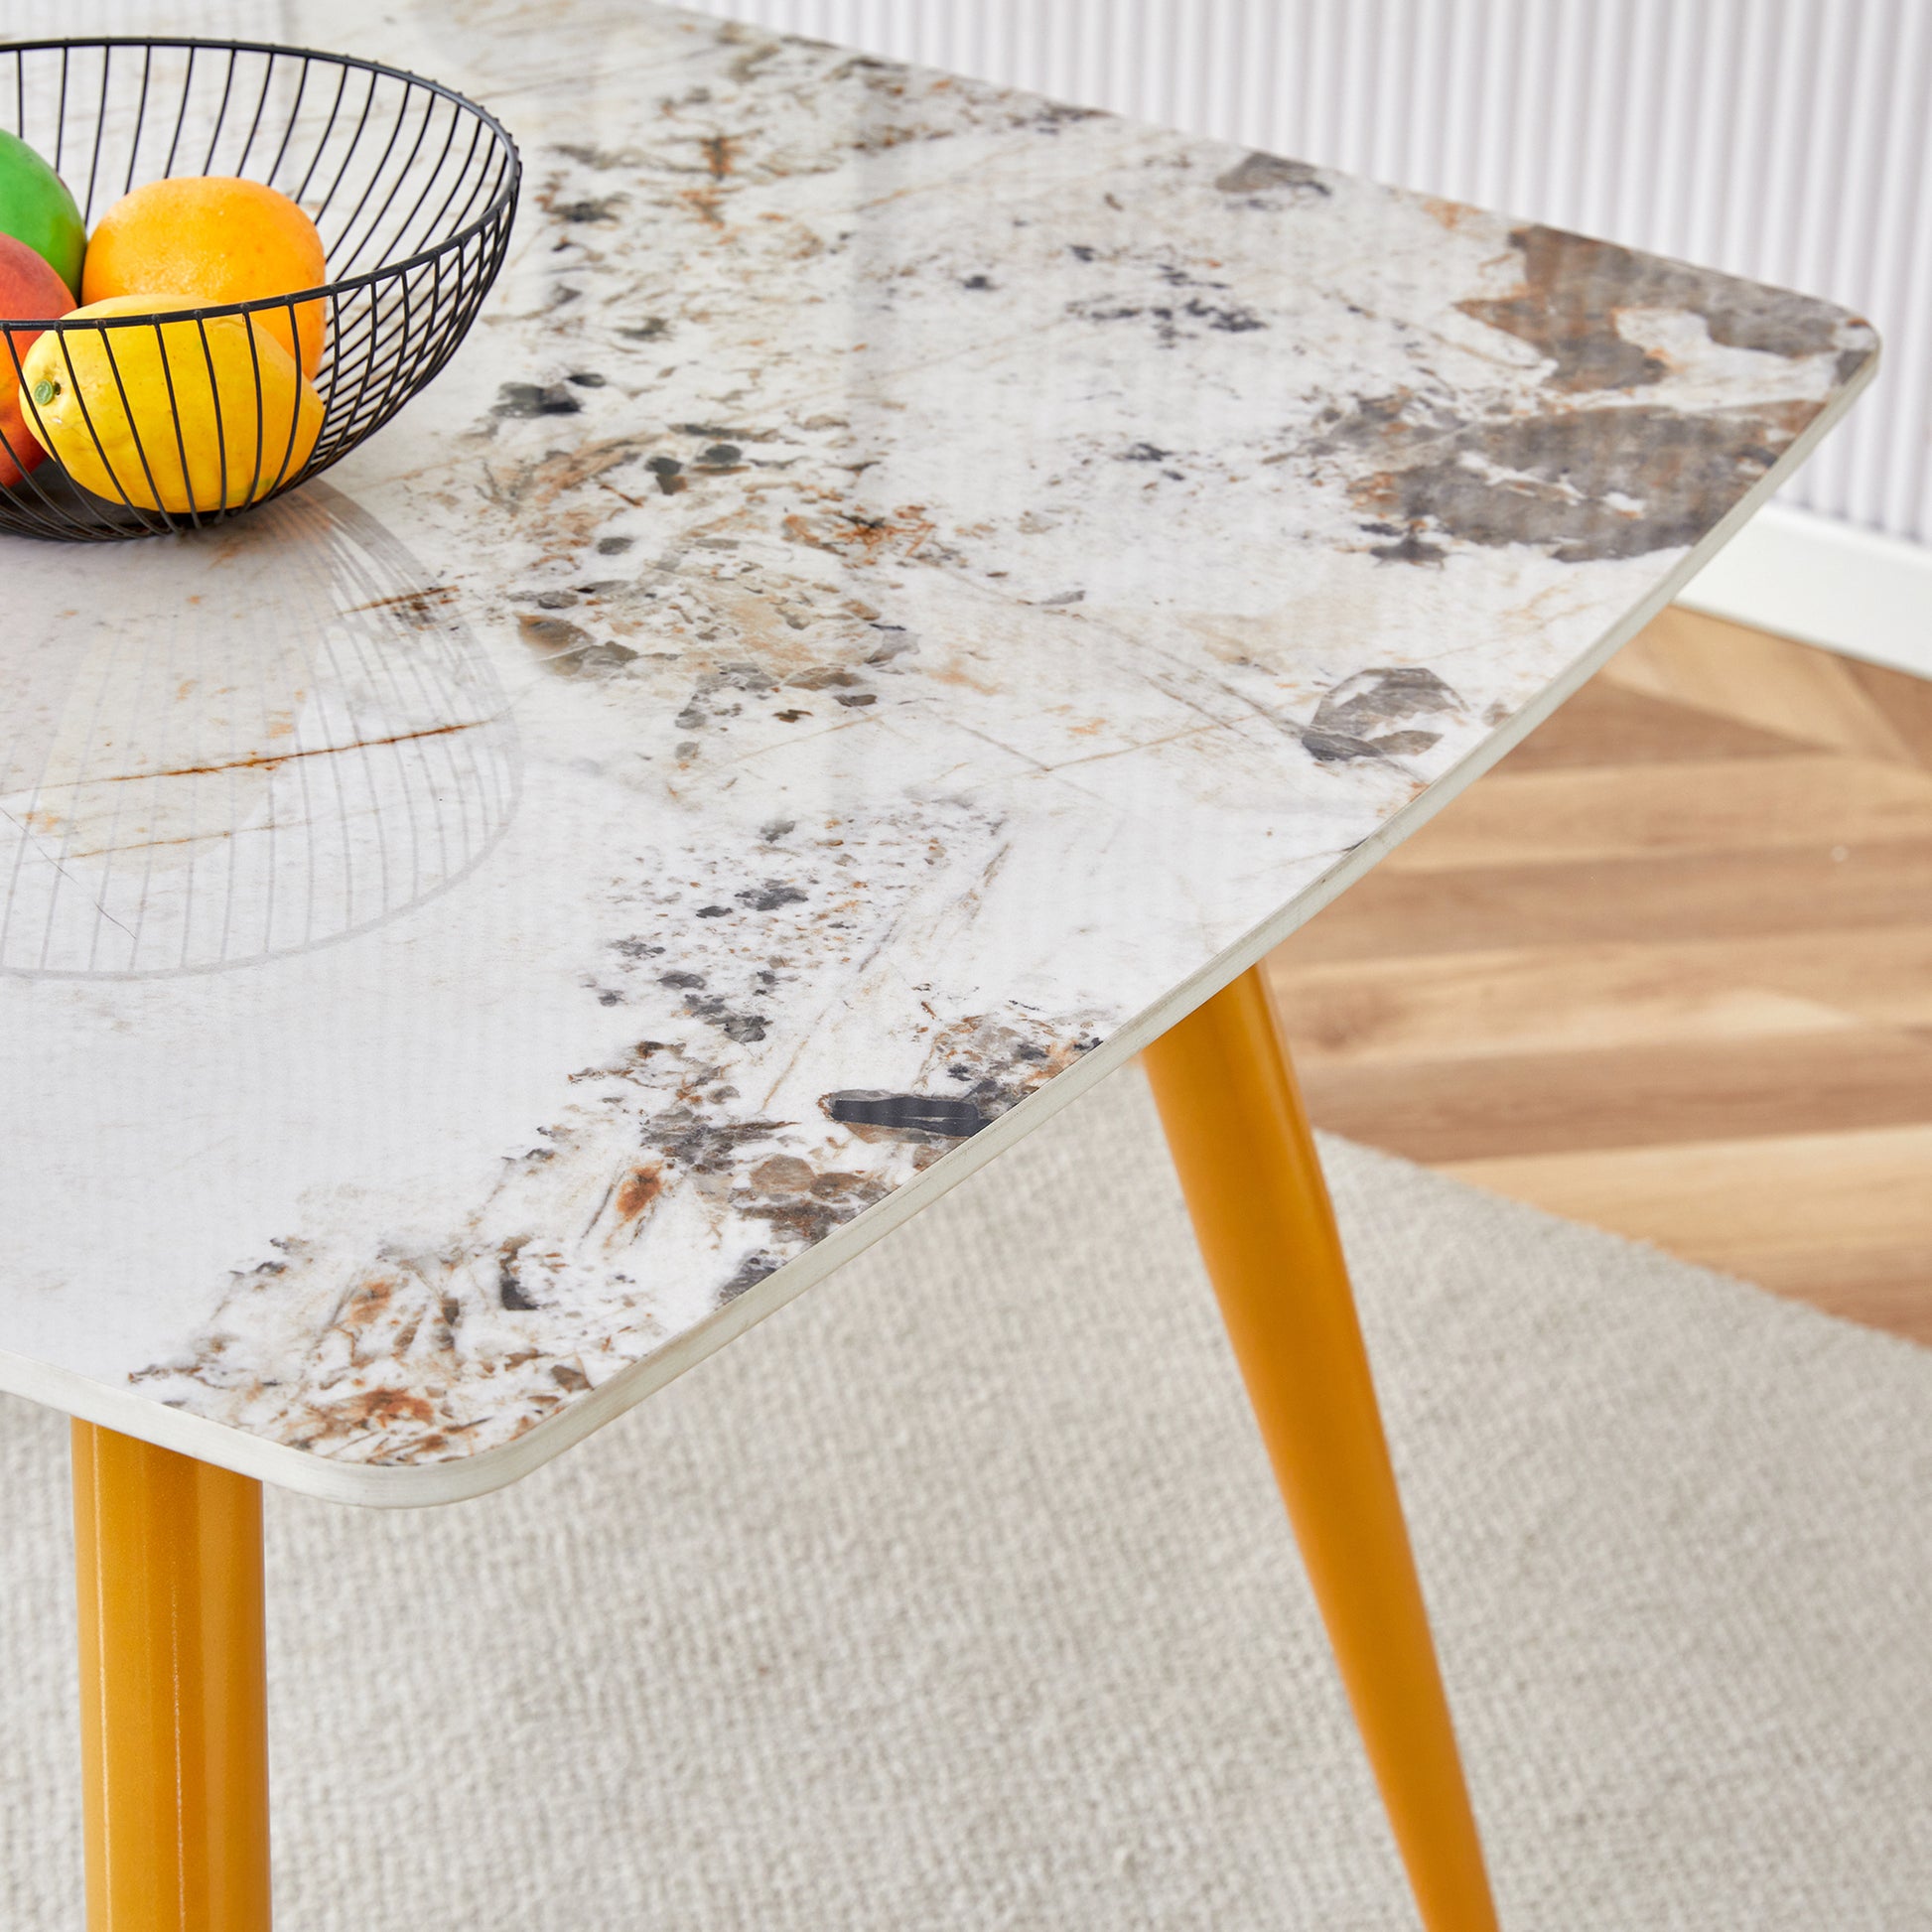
(209, 239)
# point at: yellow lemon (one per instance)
(200, 415)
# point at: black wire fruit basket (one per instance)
(174, 416)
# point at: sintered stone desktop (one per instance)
(905, 587)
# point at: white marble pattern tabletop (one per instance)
(905, 589)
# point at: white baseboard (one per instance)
(1824, 582)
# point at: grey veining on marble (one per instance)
(900, 578)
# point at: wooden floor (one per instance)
(1668, 969)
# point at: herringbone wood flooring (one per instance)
(1666, 969)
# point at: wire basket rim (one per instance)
(504, 197)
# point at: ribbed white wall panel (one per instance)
(1787, 140)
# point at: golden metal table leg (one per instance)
(1260, 1212)
(174, 1710)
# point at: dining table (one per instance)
(909, 591)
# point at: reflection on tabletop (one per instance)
(223, 748)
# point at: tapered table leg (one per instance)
(174, 1708)
(1267, 1232)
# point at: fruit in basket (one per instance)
(212, 239)
(35, 208)
(122, 407)
(29, 291)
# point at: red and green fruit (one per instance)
(29, 291)
(35, 208)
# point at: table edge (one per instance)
(410, 1486)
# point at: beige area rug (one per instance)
(957, 1596)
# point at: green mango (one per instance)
(35, 208)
